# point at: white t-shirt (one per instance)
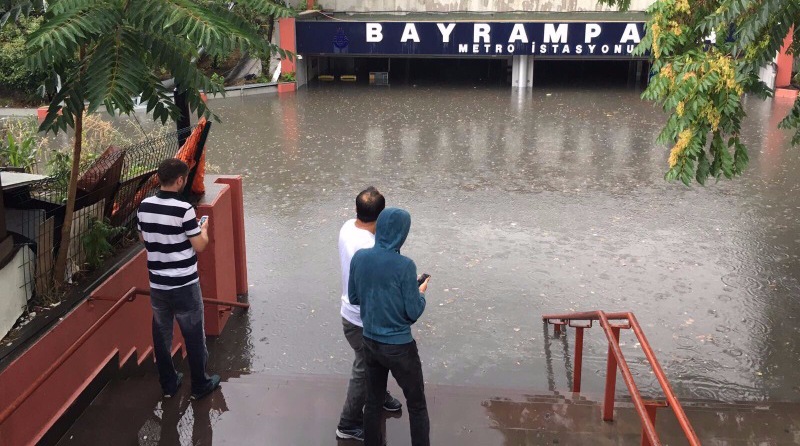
(351, 239)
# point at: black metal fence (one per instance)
(110, 190)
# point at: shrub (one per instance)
(14, 72)
(288, 77)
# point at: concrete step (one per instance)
(304, 410)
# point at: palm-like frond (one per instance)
(61, 35)
(14, 9)
(126, 41)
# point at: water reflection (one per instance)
(523, 204)
(182, 422)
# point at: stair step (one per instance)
(304, 409)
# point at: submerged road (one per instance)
(522, 203)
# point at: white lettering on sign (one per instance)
(374, 32)
(631, 34)
(518, 34)
(410, 33)
(598, 39)
(446, 31)
(481, 32)
(592, 30)
(555, 35)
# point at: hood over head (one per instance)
(392, 229)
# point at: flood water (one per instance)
(522, 204)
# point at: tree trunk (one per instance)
(66, 228)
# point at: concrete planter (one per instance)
(247, 90)
(786, 93)
(286, 87)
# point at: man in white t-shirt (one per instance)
(358, 233)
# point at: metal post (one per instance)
(184, 121)
(611, 379)
(226, 303)
(557, 329)
(651, 414)
(576, 380)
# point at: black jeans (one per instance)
(184, 304)
(353, 410)
(403, 361)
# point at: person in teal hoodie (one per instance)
(384, 283)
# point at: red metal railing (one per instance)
(129, 296)
(645, 409)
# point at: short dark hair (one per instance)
(170, 170)
(369, 204)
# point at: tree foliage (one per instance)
(104, 53)
(706, 55)
(15, 9)
(126, 42)
(14, 74)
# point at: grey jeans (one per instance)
(353, 410)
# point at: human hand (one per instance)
(204, 224)
(424, 287)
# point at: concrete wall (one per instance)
(472, 5)
(15, 290)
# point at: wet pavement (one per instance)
(303, 410)
(526, 203)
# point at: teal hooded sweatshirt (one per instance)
(384, 283)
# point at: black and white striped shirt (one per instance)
(166, 223)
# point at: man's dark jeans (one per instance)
(403, 361)
(186, 305)
(353, 410)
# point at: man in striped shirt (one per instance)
(170, 232)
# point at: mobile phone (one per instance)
(422, 279)
(203, 220)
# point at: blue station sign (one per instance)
(465, 39)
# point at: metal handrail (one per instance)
(129, 296)
(646, 411)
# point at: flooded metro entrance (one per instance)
(478, 71)
(410, 70)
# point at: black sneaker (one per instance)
(177, 386)
(392, 404)
(214, 385)
(355, 433)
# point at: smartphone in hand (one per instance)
(203, 219)
(422, 279)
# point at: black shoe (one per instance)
(177, 386)
(392, 404)
(355, 433)
(214, 385)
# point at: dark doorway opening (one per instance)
(420, 71)
(595, 73)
